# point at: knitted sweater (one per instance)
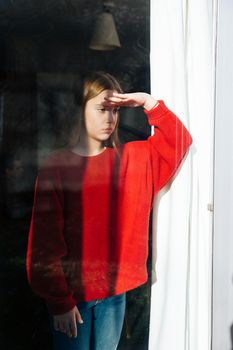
(88, 236)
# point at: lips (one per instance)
(108, 130)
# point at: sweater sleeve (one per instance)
(46, 244)
(168, 145)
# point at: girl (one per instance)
(88, 239)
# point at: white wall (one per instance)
(223, 184)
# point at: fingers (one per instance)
(117, 97)
(56, 324)
(135, 99)
(78, 316)
(73, 324)
(67, 327)
(114, 100)
(60, 325)
(73, 329)
(67, 323)
(120, 96)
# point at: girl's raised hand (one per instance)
(134, 99)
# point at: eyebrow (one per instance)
(106, 106)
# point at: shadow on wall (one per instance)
(231, 328)
(231, 334)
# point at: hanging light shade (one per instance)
(104, 35)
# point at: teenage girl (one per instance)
(88, 239)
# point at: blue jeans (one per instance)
(101, 330)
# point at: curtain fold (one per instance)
(182, 74)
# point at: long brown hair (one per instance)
(92, 86)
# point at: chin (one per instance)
(105, 138)
(105, 141)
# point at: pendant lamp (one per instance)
(105, 35)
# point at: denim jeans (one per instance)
(101, 330)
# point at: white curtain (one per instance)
(182, 74)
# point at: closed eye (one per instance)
(103, 109)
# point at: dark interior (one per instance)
(44, 52)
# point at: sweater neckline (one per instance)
(93, 156)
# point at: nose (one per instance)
(110, 116)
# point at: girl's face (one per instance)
(99, 119)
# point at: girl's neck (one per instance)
(88, 147)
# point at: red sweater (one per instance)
(88, 237)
